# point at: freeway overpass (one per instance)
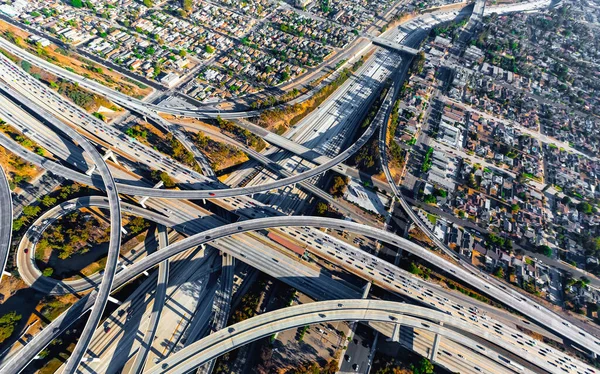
(386, 43)
(109, 185)
(396, 313)
(177, 195)
(157, 307)
(61, 323)
(6, 219)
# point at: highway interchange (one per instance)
(49, 107)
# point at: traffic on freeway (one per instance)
(218, 228)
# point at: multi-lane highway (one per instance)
(157, 307)
(114, 246)
(356, 310)
(5, 219)
(385, 277)
(99, 130)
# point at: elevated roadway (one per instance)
(204, 192)
(386, 43)
(263, 325)
(545, 317)
(159, 301)
(6, 215)
(288, 272)
(110, 187)
(222, 306)
(26, 266)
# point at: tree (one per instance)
(499, 272)
(209, 49)
(414, 269)
(77, 3)
(515, 208)
(158, 175)
(339, 185)
(322, 208)
(48, 201)
(138, 224)
(423, 367)
(566, 200)
(48, 272)
(547, 251)
(7, 325)
(182, 52)
(584, 207)
(30, 210)
(187, 5)
(148, 3)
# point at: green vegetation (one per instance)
(545, 250)
(414, 269)
(21, 170)
(180, 153)
(54, 308)
(418, 63)
(220, 154)
(455, 286)
(423, 367)
(249, 304)
(100, 116)
(47, 201)
(314, 368)
(449, 29)
(78, 95)
(242, 135)
(137, 225)
(137, 132)
(499, 272)
(429, 199)
(7, 325)
(322, 208)
(158, 175)
(301, 332)
(77, 3)
(70, 234)
(432, 218)
(339, 185)
(585, 207)
(48, 272)
(427, 161)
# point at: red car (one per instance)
(26, 250)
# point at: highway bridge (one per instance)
(159, 301)
(386, 43)
(146, 263)
(109, 185)
(6, 219)
(102, 294)
(395, 313)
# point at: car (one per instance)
(347, 358)
(26, 250)
(106, 329)
(355, 367)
